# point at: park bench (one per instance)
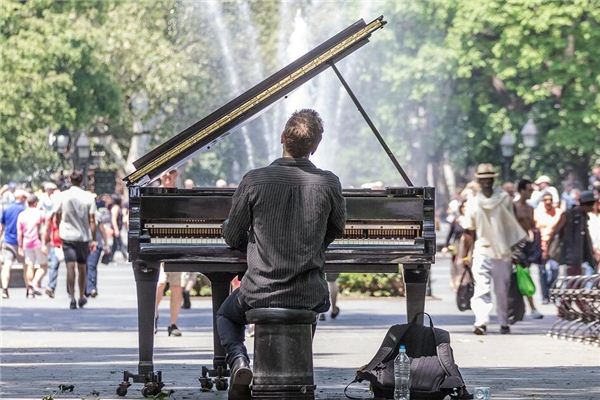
(577, 299)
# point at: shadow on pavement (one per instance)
(100, 370)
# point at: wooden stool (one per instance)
(283, 365)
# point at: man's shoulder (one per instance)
(276, 174)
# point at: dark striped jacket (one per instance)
(285, 215)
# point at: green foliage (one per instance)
(442, 81)
(375, 285)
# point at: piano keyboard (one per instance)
(338, 242)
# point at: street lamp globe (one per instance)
(62, 140)
(83, 148)
(530, 134)
(507, 145)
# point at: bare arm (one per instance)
(114, 218)
(468, 242)
(92, 220)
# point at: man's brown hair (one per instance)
(302, 131)
(76, 177)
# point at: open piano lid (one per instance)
(204, 133)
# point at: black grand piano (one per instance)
(385, 229)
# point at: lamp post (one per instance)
(507, 147)
(83, 154)
(530, 133)
(530, 140)
(60, 141)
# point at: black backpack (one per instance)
(433, 373)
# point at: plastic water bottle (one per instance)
(402, 375)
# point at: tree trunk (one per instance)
(138, 147)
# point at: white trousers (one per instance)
(486, 270)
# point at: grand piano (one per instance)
(385, 230)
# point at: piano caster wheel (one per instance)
(206, 384)
(122, 389)
(151, 389)
(221, 383)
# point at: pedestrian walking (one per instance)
(174, 279)
(544, 184)
(573, 234)
(55, 253)
(491, 231)
(533, 248)
(75, 210)
(453, 246)
(31, 233)
(8, 227)
(546, 217)
(102, 219)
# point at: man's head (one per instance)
(188, 184)
(587, 200)
(20, 195)
(50, 187)
(302, 133)
(169, 179)
(509, 188)
(76, 177)
(32, 200)
(525, 188)
(543, 182)
(596, 171)
(548, 201)
(485, 175)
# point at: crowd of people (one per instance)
(44, 228)
(493, 228)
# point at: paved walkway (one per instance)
(44, 344)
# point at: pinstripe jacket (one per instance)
(285, 215)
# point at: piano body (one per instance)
(181, 228)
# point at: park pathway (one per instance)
(44, 344)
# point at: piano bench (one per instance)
(283, 364)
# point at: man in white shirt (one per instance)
(76, 214)
(489, 217)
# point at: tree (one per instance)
(51, 77)
(531, 58)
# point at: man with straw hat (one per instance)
(491, 231)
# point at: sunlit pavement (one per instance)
(44, 344)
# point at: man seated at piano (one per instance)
(284, 215)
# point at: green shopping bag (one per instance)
(524, 281)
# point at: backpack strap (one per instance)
(390, 342)
(414, 322)
(357, 379)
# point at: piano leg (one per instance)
(220, 285)
(146, 278)
(415, 280)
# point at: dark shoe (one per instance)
(73, 305)
(187, 304)
(322, 317)
(50, 293)
(173, 330)
(504, 330)
(5, 294)
(480, 330)
(241, 378)
(335, 312)
(82, 302)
